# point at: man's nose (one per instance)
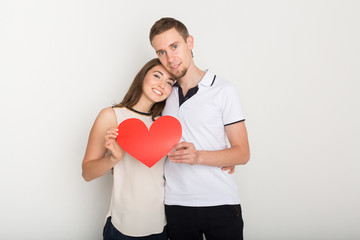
(170, 57)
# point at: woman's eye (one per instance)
(157, 76)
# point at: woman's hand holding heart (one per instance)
(112, 146)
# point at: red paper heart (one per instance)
(149, 146)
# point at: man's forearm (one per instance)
(227, 157)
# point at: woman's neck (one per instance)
(143, 106)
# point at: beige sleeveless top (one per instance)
(137, 202)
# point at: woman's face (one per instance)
(157, 84)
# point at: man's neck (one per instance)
(191, 79)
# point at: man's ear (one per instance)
(190, 42)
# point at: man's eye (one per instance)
(175, 47)
(161, 53)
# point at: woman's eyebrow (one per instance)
(159, 72)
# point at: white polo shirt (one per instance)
(203, 118)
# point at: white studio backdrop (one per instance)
(296, 66)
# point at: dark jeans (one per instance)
(111, 233)
(216, 223)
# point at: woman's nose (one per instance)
(162, 83)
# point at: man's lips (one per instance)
(174, 67)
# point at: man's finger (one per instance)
(178, 153)
(182, 145)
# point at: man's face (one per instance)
(173, 52)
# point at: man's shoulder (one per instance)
(223, 83)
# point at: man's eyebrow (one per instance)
(175, 43)
(160, 50)
(171, 45)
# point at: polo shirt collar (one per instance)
(208, 79)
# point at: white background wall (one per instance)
(296, 65)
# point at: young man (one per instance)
(200, 198)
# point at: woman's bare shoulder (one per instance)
(107, 116)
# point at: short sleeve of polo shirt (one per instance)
(231, 105)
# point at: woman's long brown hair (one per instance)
(135, 91)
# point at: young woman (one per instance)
(137, 202)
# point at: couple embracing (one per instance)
(190, 192)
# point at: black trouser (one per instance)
(190, 223)
(111, 233)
